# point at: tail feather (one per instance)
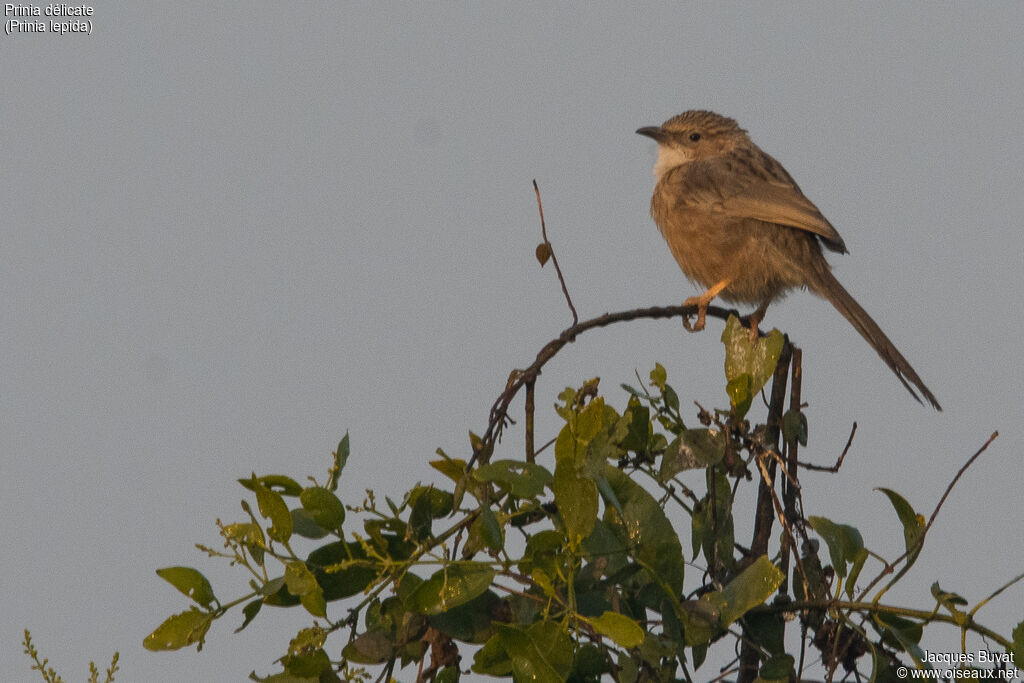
(828, 287)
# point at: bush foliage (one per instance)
(616, 557)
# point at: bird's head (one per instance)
(691, 136)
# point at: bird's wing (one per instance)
(772, 196)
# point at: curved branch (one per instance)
(520, 378)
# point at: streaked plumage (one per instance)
(738, 225)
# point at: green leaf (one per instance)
(272, 507)
(913, 524)
(302, 583)
(450, 587)
(190, 582)
(449, 674)
(589, 421)
(659, 377)
(567, 449)
(844, 542)
(324, 507)
(858, 564)
(767, 630)
(307, 639)
(693, 448)
(306, 656)
(338, 568)
(629, 668)
(473, 621)
(491, 659)
(475, 442)
(285, 677)
(778, 668)
(753, 586)
(521, 479)
(589, 663)
(757, 358)
(544, 551)
(713, 529)
(605, 548)
(439, 499)
(490, 529)
(670, 398)
(945, 598)
(576, 497)
(372, 647)
(250, 611)
(276, 594)
(950, 601)
(741, 395)
(639, 431)
(275, 482)
(453, 468)
(653, 651)
(903, 633)
(624, 631)
(180, 630)
(340, 458)
(794, 426)
(703, 618)
(307, 666)
(642, 524)
(248, 534)
(388, 536)
(1017, 649)
(299, 579)
(543, 653)
(699, 654)
(420, 519)
(304, 525)
(272, 587)
(314, 603)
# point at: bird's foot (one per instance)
(702, 310)
(753, 320)
(753, 332)
(701, 302)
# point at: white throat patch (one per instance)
(669, 158)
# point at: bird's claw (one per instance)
(702, 310)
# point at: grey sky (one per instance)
(231, 232)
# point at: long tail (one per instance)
(828, 287)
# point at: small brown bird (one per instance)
(738, 225)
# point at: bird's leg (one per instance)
(701, 302)
(755, 318)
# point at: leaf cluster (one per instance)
(576, 570)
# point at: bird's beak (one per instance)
(655, 132)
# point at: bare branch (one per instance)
(839, 462)
(554, 259)
(519, 378)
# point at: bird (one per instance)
(739, 226)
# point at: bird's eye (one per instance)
(694, 137)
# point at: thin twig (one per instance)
(791, 487)
(766, 498)
(554, 259)
(763, 518)
(531, 456)
(949, 489)
(1016, 579)
(931, 520)
(839, 462)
